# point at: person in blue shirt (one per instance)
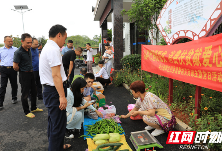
(7, 71)
(35, 64)
(40, 48)
(68, 47)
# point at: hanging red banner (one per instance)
(197, 62)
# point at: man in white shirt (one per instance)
(52, 76)
(89, 59)
(102, 76)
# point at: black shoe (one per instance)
(14, 101)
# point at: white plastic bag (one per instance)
(110, 112)
(107, 113)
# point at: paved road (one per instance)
(19, 133)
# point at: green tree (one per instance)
(16, 42)
(109, 32)
(145, 13)
(42, 40)
(81, 40)
(100, 38)
(96, 39)
(1, 45)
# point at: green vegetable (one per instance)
(114, 139)
(117, 147)
(101, 137)
(107, 149)
(100, 142)
(104, 126)
(83, 136)
(99, 148)
(111, 134)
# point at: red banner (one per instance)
(197, 62)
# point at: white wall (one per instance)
(126, 35)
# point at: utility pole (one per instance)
(19, 8)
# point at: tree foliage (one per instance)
(109, 33)
(78, 41)
(42, 40)
(145, 13)
(16, 42)
(162, 42)
(81, 40)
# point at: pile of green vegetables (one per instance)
(111, 147)
(100, 139)
(104, 126)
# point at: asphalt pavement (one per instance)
(19, 133)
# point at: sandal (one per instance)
(37, 110)
(30, 115)
(66, 146)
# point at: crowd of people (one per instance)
(65, 95)
(25, 60)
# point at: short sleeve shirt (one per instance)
(6, 56)
(65, 49)
(89, 54)
(151, 101)
(67, 57)
(50, 57)
(24, 59)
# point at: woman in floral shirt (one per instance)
(146, 105)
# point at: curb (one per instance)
(181, 126)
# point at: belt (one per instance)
(8, 67)
(47, 85)
(28, 71)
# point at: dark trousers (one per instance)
(11, 74)
(38, 84)
(56, 119)
(103, 81)
(67, 83)
(27, 81)
(71, 75)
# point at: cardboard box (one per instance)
(100, 100)
(98, 86)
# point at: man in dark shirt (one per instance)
(68, 60)
(35, 64)
(22, 62)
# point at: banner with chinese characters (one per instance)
(197, 62)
